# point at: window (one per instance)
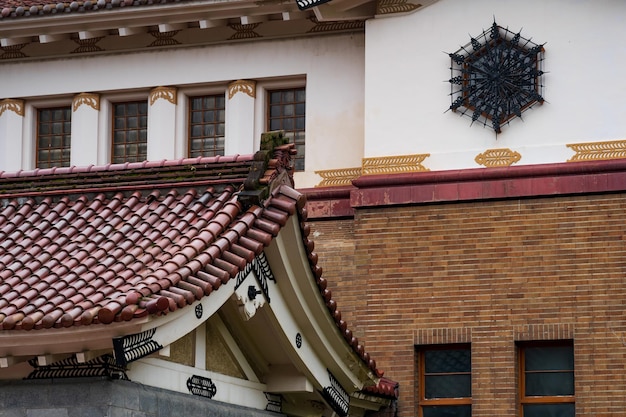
(206, 125)
(130, 132)
(547, 379)
(287, 112)
(53, 137)
(445, 381)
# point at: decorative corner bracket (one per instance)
(135, 346)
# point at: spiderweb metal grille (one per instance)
(496, 77)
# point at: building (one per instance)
(462, 164)
(194, 279)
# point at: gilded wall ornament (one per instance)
(242, 86)
(498, 158)
(596, 151)
(166, 93)
(89, 99)
(496, 77)
(338, 177)
(16, 106)
(394, 164)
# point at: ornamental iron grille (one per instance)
(102, 366)
(261, 269)
(201, 386)
(496, 77)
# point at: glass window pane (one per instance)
(448, 360)
(448, 386)
(196, 117)
(274, 111)
(549, 358)
(448, 411)
(550, 383)
(196, 131)
(549, 410)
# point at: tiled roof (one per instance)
(26, 8)
(81, 246)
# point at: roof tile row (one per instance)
(109, 257)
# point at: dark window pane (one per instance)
(206, 125)
(549, 358)
(550, 383)
(448, 386)
(53, 137)
(448, 360)
(548, 410)
(448, 411)
(130, 132)
(286, 111)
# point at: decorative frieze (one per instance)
(498, 158)
(87, 45)
(242, 86)
(244, 31)
(135, 346)
(13, 51)
(394, 164)
(596, 151)
(336, 26)
(102, 366)
(396, 6)
(14, 105)
(89, 99)
(164, 38)
(166, 93)
(338, 177)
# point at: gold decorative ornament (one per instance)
(16, 106)
(335, 26)
(394, 164)
(338, 177)
(244, 31)
(396, 6)
(166, 93)
(89, 99)
(244, 86)
(498, 158)
(597, 151)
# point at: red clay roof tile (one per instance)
(109, 252)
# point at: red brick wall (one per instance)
(489, 273)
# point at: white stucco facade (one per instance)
(381, 92)
(407, 69)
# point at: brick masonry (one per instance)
(489, 272)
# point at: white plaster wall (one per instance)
(333, 67)
(407, 72)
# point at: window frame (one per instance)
(523, 399)
(38, 122)
(114, 103)
(268, 93)
(422, 401)
(188, 97)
